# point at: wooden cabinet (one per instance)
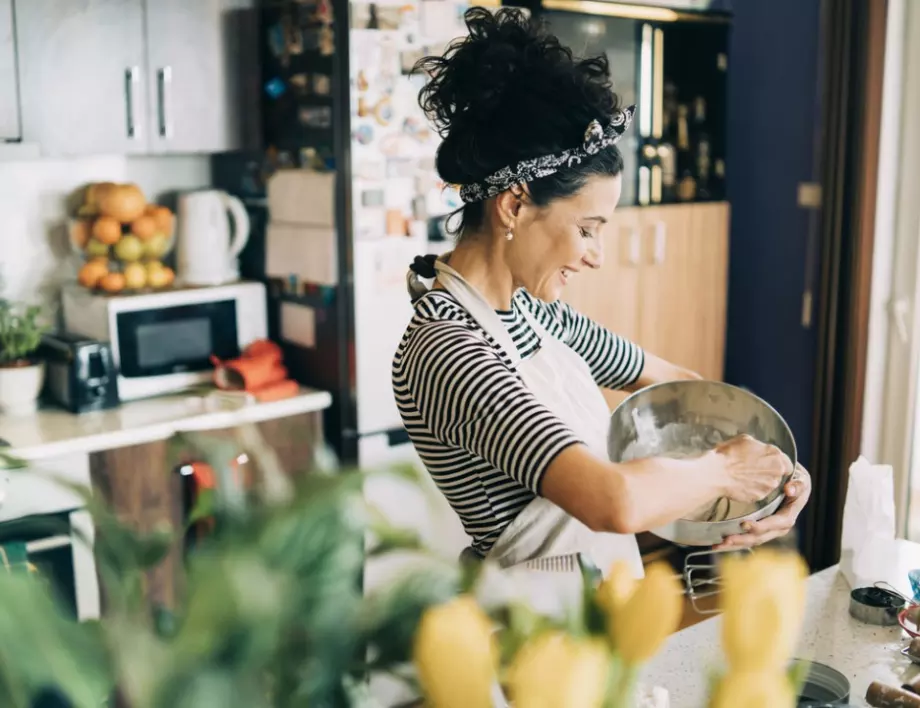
(663, 283)
(9, 88)
(143, 489)
(124, 76)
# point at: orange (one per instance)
(144, 227)
(92, 272)
(112, 283)
(107, 230)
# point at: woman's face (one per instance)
(557, 242)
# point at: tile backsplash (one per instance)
(35, 258)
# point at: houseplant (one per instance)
(21, 376)
(273, 615)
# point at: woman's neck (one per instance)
(481, 262)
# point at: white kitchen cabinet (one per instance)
(124, 76)
(9, 89)
(81, 75)
(187, 77)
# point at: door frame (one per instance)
(891, 421)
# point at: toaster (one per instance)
(80, 372)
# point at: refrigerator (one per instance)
(336, 96)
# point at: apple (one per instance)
(156, 246)
(135, 276)
(129, 249)
(94, 247)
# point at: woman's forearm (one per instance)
(628, 497)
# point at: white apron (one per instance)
(540, 548)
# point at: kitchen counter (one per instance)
(53, 432)
(863, 653)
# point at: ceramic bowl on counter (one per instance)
(684, 419)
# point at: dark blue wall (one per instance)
(772, 112)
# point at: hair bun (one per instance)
(506, 90)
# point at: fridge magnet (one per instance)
(324, 12)
(300, 83)
(293, 39)
(396, 223)
(326, 41)
(322, 84)
(315, 116)
(416, 129)
(364, 134)
(372, 198)
(373, 22)
(391, 144)
(275, 88)
(364, 107)
(276, 40)
(388, 17)
(408, 58)
(361, 81)
(383, 111)
(360, 15)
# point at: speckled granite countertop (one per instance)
(863, 653)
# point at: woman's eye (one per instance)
(585, 233)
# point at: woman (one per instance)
(497, 379)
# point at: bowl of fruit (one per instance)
(122, 239)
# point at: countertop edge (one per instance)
(306, 402)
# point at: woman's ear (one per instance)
(508, 207)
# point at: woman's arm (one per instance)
(640, 495)
(657, 370)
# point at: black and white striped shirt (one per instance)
(483, 436)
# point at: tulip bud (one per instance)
(754, 689)
(456, 655)
(763, 603)
(557, 670)
(649, 616)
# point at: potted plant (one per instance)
(21, 376)
(272, 614)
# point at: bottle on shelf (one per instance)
(702, 149)
(686, 187)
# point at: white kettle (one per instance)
(207, 254)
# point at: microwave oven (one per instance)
(162, 342)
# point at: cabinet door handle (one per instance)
(635, 247)
(661, 243)
(132, 79)
(164, 89)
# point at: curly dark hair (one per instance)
(510, 91)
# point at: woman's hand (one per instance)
(751, 469)
(782, 522)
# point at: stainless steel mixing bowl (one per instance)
(690, 417)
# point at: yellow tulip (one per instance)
(557, 670)
(456, 655)
(763, 603)
(754, 689)
(616, 588)
(649, 615)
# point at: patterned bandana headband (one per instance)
(596, 139)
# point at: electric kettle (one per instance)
(208, 248)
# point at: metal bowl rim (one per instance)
(772, 496)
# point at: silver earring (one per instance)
(509, 234)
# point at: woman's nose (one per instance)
(594, 256)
